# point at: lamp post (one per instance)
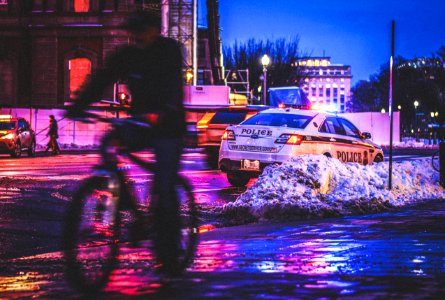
(416, 103)
(265, 61)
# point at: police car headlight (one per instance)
(228, 135)
(289, 139)
(9, 136)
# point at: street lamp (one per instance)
(265, 61)
(416, 103)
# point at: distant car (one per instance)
(213, 123)
(275, 135)
(16, 136)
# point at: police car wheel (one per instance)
(212, 157)
(378, 159)
(238, 179)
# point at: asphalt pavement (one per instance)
(393, 255)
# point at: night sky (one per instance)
(356, 33)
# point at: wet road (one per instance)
(397, 255)
(34, 193)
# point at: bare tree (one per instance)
(283, 54)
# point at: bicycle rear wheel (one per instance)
(189, 223)
(174, 254)
(91, 232)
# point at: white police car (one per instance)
(277, 134)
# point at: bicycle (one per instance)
(93, 229)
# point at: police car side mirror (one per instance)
(366, 135)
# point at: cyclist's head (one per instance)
(144, 27)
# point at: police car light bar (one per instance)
(5, 117)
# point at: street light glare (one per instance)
(416, 103)
(265, 60)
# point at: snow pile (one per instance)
(317, 186)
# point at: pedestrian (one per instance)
(152, 67)
(53, 134)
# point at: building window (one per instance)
(320, 92)
(342, 99)
(314, 91)
(79, 70)
(81, 5)
(335, 92)
(328, 93)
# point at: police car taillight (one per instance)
(289, 139)
(228, 135)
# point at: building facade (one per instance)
(326, 85)
(48, 48)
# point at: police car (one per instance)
(277, 134)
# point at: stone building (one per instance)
(49, 47)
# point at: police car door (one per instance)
(360, 151)
(339, 144)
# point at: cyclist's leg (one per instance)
(166, 217)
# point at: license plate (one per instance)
(247, 164)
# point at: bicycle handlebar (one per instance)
(86, 116)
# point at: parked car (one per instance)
(213, 123)
(16, 136)
(275, 135)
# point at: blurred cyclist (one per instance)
(152, 68)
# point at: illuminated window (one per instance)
(81, 5)
(317, 63)
(79, 70)
(310, 63)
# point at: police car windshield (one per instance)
(7, 125)
(279, 120)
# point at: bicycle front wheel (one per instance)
(91, 232)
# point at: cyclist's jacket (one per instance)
(154, 77)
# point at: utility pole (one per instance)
(391, 63)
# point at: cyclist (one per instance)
(152, 67)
